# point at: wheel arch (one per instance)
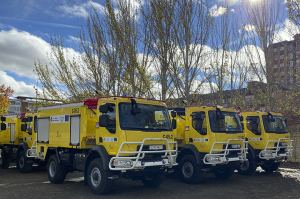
(189, 150)
(96, 152)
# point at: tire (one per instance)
(5, 161)
(56, 171)
(248, 167)
(97, 177)
(224, 172)
(24, 165)
(153, 181)
(188, 170)
(270, 166)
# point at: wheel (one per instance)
(248, 167)
(188, 170)
(24, 165)
(56, 171)
(5, 160)
(153, 180)
(223, 172)
(97, 177)
(270, 166)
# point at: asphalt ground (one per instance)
(282, 184)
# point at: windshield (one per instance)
(277, 125)
(228, 123)
(147, 118)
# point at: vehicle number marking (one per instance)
(168, 136)
(75, 110)
(200, 139)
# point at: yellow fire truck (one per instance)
(209, 139)
(269, 141)
(106, 138)
(10, 138)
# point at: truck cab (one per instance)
(209, 139)
(137, 135)
(269, 141)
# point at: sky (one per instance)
(27, 26)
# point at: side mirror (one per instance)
(198, 119)
(203, 132)
(286, 122)
(241, 118)
(103, 120)
(271, 117)
(3, 119)
(29, 130)
(24, 127)
(219, 114)
(174, 124)
(35, 124)
(3, 127)
(255, 128)
(173, 114)
(103, 108)
(29, 119)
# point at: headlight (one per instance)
(235, 146)
(283, 144)
(122, 163)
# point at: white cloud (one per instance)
(81, 10)
(20, 88)
(19, 51)
(216, 11)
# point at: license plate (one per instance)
(156, 147)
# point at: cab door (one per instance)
(109, 136)
(197, 130)
(253, 130)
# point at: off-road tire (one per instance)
(188, 170)
(94, 172)
(249, 167)
(56, 171)
(24, 165)
(5, 161)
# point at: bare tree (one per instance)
(110, 62)
(262, 19)
(192, 29)
(159, 15)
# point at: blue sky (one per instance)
(26, 27)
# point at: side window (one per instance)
(199, 121)
(253, 124)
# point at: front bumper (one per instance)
(228, 153)
(277, 149)
(138, 160)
